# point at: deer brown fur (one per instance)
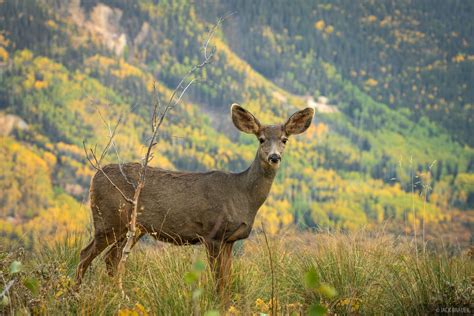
(216, 208)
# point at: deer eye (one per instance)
(261, 140)
(284, 140)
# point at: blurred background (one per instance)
(391, 145)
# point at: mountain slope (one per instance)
(411, 55)
(363, 163)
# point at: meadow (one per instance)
(357, 273)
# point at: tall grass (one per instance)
(371, 275)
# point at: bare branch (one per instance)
(184, 90)
(172, 102)
(7, 288)
(211, 34)
(157, 118)
(87, 155)
(208, 57)
(156, 108)
(96, 165)
(111, 143)
(156, 122)
(114, 146)
(112, 133)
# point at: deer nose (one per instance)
(274, 158)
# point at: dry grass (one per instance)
(371, 274)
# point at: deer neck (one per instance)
(257, 181)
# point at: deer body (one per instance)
(216, 208)
(182, 207)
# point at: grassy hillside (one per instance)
(369, 161)
(343, 274)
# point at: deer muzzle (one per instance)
(274, 158)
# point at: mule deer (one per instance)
(216, 208)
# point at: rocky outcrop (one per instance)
(103, 23)
(10, 122)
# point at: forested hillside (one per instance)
(391, 143)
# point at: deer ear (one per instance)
(244, 120)
(299, 121)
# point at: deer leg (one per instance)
(114, 254)
(220, 260)
(92, 250)
(225, 265)
(84, 254)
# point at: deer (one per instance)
(214, 208)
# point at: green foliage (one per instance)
(312, 282)
(15, 267)
(311, 278)
(32, 284)
(317, 310)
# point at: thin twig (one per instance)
(114, 146)
(185, 88)
(7, 288)
(156, 123)
(157, 106)
(158, 116)
(96, 165)
(213, 31)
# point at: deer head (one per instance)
(272, 138)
